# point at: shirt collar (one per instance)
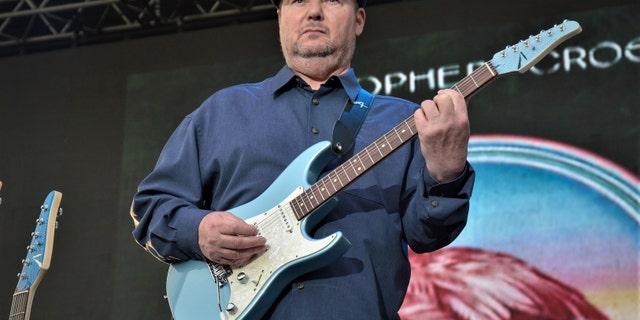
(285, 79)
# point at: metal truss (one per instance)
(35, 25)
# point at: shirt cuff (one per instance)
(187, 232)
(448, 189)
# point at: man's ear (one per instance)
(361, 17)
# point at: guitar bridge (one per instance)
(219, 273)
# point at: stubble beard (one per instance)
(322, 52)
(318, 62)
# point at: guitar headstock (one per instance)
(39, 251)
(526, 53)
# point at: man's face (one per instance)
(319, 28)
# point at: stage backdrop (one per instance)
(553, 226)
(554, 217)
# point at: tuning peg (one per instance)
(44, 207)
(59, 212)
(562, 26)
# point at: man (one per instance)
(228, 151)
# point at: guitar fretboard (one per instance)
(19, 305)
(332, 183)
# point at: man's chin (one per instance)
(313, 49)
(315, 53)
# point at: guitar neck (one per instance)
(20, 305)
(38, 258)
(332, 183)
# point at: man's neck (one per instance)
(316, 71)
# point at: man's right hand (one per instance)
(227, 239)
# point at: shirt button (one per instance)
(434, 203)
(315, 101)
(299, 285)
(315, 130)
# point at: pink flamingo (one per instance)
(469, 283)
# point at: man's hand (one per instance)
(443, 130)
(227, 239)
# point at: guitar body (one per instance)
(191, 289)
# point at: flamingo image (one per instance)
(471, 283)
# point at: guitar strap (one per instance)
(345, 130)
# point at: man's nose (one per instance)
(315, 10)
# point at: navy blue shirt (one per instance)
(230, 149)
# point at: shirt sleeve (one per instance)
(166, 208)
(437, 212)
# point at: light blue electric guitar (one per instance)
(38, 258)
(297, 201)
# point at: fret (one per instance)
(489, 67)
(396, 131)
(303, 208)
(353, 169)
(346, 175)
(362, 166)
(304, 203)
(408, 128)
(317, 194)
(479, 77)
(474, 81)
(369, 155)
(323, 189)
(358, 164)
(412, 125)
(386, 145)
(378, 148)
(312, 196)
(296, 209)
(338, 180)
(332, 184)
(456, 88)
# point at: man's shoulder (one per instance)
(236, 96)
(261, 88)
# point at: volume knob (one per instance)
(231, 308)
(242, 277)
